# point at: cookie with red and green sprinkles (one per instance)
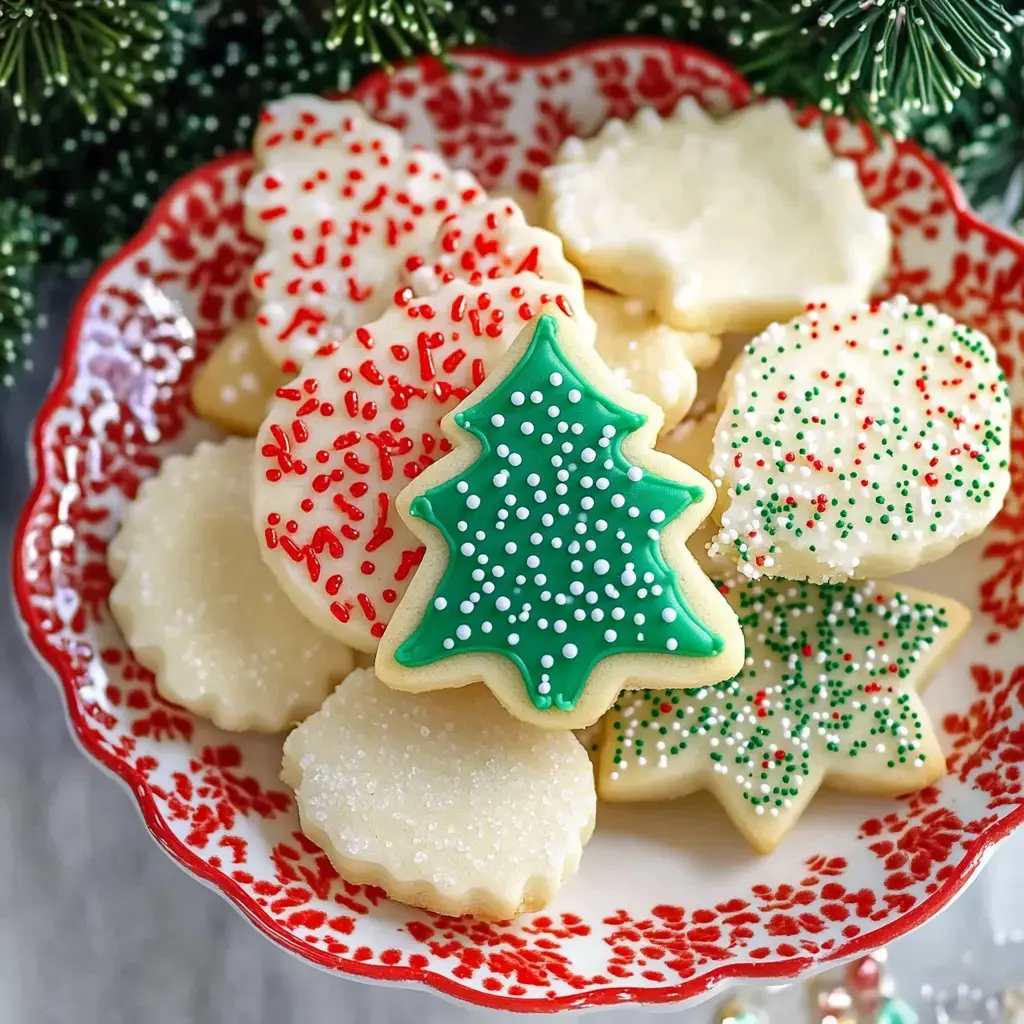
(859, 444)
(829, 694)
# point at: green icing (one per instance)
(553, 537)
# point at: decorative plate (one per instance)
(670, 903)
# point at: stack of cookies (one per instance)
(603, 501)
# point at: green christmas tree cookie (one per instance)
(828, 694)
(555, 568)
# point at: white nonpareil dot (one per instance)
(510, 548)
(502, 451)
(497, 420)
(610, 636)
(555, 379)
(601, 566)
(518, 398)
(569, 651)
(657, 516)
(526, 428)
(467, 548)
(440, 603)
(466, 607)
(575, 395)
(536, 397)
(543, 687)
(618, 501)
(503, 604)
(668, 614)
(635, 473)
(473, 501)
(588, 455)
(546, 661)
(513, 639)
(463, 632)
(449, 643)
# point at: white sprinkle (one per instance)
(668, 614)
(503, 604)
(553, 411)
(546, 661)
(610, 636)
(466, 607)
(555, 379)
(510, 548)
(518, 398)
(513, 639)
(601, 566)
(473, 501)
(635, 473)
(449, 643)
(536, 397)
(533, 479)
(467, 548)
(440, 603)
(498, 420)
(607, 430)
(570, 651)
(575, 395)
(657, 516)
(618, 501)
(463, 632)
(588, 455)
(462, 487)
(502, 451)
(527, 428)
(543, 687)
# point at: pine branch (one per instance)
(20, 233)
(885, 60)
(383, 29)
(100, 54)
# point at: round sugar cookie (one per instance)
(233, 388)
(200, 609)
(860, 443)
(340, 202)
(441, 799)
(718, 225)
(360, 423)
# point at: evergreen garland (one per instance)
(105, 103)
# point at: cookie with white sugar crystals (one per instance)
(233, 388)
(339, 202)
(441, 799)
(200, 609)
(718, 225)
(556, 569)
(829, 695)
(860, 443)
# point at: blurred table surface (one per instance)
(98, 926)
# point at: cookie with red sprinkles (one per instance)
(340, 201)
(828, 695)
(860, 443)
(363, 420)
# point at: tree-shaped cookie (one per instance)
(828, 694)
(555, 568)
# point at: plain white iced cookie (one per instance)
(200, 609)
(340, 202)
(234, 386)
(718, 225)
(648, 356)
(860, 443)
(360, 423)
(441, 799)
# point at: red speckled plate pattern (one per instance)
(669, 903)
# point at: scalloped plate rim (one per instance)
(696, 988)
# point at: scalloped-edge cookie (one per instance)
(340, 201)
(441, 799)
(718, 225)
(200, 609)
(234, 387)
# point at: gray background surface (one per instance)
(98, 926)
